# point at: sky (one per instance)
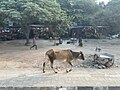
(106, 1)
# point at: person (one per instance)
(34, 43)
(50, 39)
(60, 40)
(98, 49)
(80, 42)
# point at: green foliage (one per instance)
(32, 10)
(109, 17)
(61, 14)
(79, 11)
(28, 12)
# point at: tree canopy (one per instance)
(31, 11)
(109, 16)
(80, 11)
(60, 14)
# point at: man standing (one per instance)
(80, 42)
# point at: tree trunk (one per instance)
(26, 31)
(27, 35)
(27, 43)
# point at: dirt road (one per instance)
(20, 66)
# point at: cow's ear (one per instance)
(80, 52)
(82, 55)
(70, 50)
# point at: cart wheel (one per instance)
(109, 63)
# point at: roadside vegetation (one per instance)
(60, 15)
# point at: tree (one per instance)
(79, 11)
(31, 11)
(109, 17)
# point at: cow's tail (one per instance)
(46, 57)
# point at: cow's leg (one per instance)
(44, 66)
(52, 65)
(70, 65)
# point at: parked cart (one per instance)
(105, 59)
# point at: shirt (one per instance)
(34, 43)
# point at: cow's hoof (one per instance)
(70, 70)
(56, 72)
(67, 71)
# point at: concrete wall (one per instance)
(59, 88)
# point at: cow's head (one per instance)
(81, 56)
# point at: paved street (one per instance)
(78, 77)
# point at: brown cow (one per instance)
(62, 55)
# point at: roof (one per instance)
(37, 25)
(81, 27)
(78, 27)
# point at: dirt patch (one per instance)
(22, 57)
(11, 43)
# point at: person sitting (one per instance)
(80, 42)
(60, 40)
(98, 49)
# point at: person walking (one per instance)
(34, 43)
